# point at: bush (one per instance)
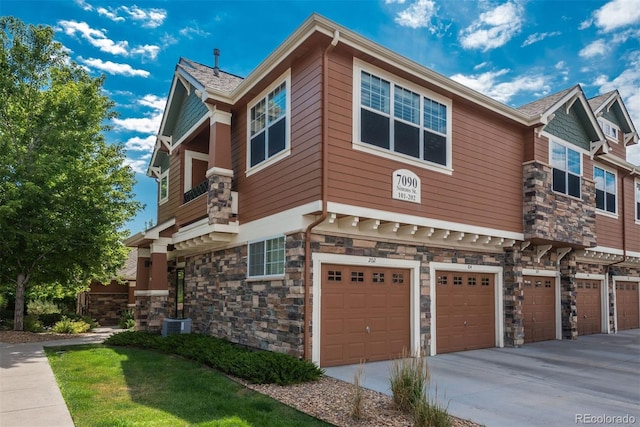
(127, 320)
(68, 326)
(32, 324)
(40, 306)
(48, 320)
(260, 367)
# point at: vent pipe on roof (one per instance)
(216, 68)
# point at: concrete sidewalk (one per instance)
(29, 393)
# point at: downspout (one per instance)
(323, 194)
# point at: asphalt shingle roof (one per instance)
(538, 107)
(223, 82)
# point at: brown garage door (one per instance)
(539, 309)
(588, 307)
(627, 305)
(365, 314)
(465, 311)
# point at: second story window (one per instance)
(638, 201)
(268, 125)
(163, 195)
(407, 121)
(605, 189)
(567, 169)
(609, 129)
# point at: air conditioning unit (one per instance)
(176, 326)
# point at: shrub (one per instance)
(127, 320)
(429, 413)
(259, 367)
(32, 324)
(50, 319)
(68, 326)
(40, 306)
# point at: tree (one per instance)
(65, 193)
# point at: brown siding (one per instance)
(632, 228)
(487, 163)
(294, 180)
(168, 209)
(610, 229)
(192, 211)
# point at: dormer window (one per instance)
(610, 130)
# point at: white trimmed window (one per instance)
(397, 119)
(269, 125)
(638, 201)
(610, 130)
(567, 169)
(163, 188)
(605, 189)
(266, 257)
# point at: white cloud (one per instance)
(150, 18)
(109, 14)
(84, 5)
(138, 165)
(628, 84)
(99, 39)
(153, 101)
(537, 37)
(617, 14)
(595, 48)
(394, 1)
(193, 30)
(113, 68)
(585, 24)
(488, 83)
(418, 15)
(148, 125)
(141, 144)
(493, 28)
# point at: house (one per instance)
(105, 302)
(343, 202)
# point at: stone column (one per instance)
(151, 300)
(220, 170)
(568, 290)
(513, 298)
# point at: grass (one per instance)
(122, 387)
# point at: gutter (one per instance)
(324, 191)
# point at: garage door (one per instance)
(539, 309)
(627, 305)
(465, 311)
(588, 307)
(365, 314)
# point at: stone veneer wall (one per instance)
(568, 288)
(106, 308)
(269, 314)
(557, 217)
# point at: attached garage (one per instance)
(365, 313)
(539, 308)
(627, 306)
(588, 306)
(465, 311)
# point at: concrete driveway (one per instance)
(592, 380)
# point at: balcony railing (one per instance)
(196, 191)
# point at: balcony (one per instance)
(196, 191)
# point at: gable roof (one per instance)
(539, 106)
(610, 100)
(207, 77)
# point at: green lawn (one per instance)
(116, 386)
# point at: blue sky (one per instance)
(514, 51)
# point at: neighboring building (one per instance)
(342, 203)
(105, 302)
